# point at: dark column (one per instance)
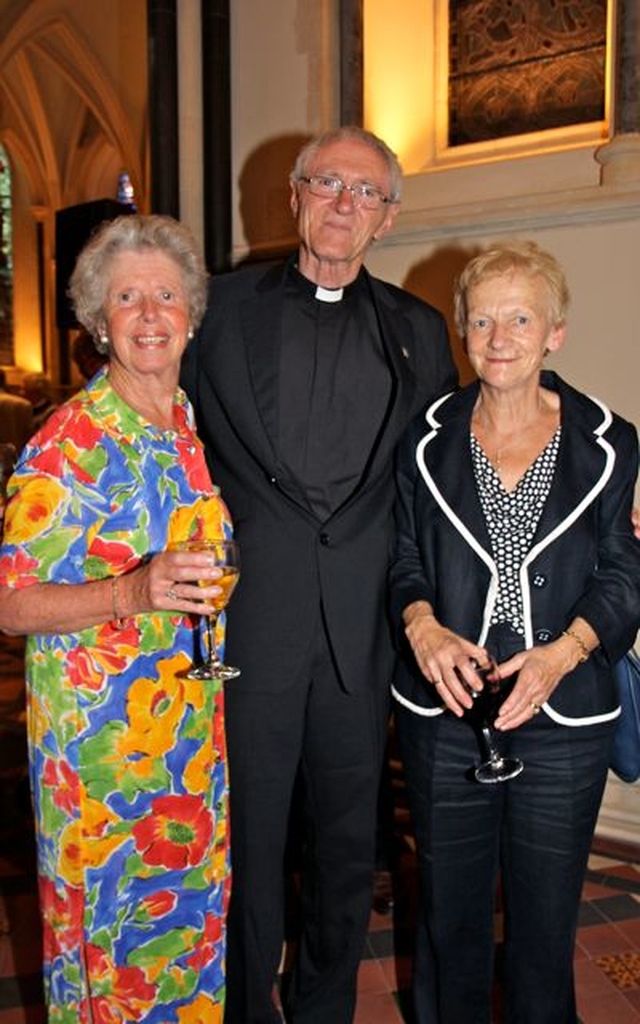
(163, 106)
(216, 133)
(627, 114)
(351, 62)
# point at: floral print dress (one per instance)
(127, 757)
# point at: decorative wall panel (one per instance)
(518, 66)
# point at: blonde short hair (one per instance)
(513, 257)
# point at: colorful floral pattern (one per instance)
(127, 757)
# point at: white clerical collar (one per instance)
(329, 294)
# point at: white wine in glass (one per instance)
(226, 554)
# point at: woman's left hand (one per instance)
(539, 670)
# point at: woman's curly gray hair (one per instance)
(89, 281)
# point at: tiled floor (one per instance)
(607, 959)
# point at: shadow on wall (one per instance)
(264, 197)
(434, 280)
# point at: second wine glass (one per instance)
(495, 767)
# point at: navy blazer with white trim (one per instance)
(584, 559)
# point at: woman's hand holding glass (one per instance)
(444, 658)
(170, 581)
(539, 670)
(467, 680)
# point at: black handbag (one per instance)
(625, 755)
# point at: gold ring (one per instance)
(535, 707)
(171, 594)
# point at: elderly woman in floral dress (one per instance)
(127, 754)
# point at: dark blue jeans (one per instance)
(535, 831)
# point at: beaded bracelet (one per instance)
(584, 650)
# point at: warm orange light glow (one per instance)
(406, 69)
(399, 53)
(26, 351)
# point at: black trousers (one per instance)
(534, 830)
(335, 741)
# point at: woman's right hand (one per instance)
(167, 582)
(171, 580)
(445, 659)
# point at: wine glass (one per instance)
(226, 555)
(486, 705)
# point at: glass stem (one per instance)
(493, 754)
(212, 654)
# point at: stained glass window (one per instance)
(6, 263)
(518, 66)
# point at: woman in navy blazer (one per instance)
(515, 543)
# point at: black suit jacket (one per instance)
(292, 563)
(584, 558)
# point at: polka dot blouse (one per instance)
(512, 518)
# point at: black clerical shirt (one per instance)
(334, 388)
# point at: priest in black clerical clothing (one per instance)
(303, 377)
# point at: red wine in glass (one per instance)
(486, 705)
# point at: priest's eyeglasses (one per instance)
(326, 187)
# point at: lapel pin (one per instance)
(405, 352)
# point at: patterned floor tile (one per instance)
(623, 969)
